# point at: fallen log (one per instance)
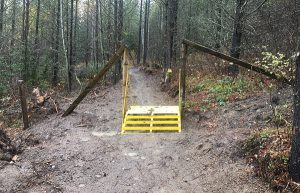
(235, 61)
(94, 81)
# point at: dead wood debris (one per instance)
(7, 149)
(41, 105)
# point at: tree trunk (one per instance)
(87, 46)
(115, 24)
(116, 17)
(173, 30)
(167, 37)
(294, 164)
(97, 35)
(101, 34)
(25, 41)
(172, 7)
(56, 59)
(109, 28)
(23, 20)
(36, 42)
(139, 52)
(13, 30)
(294, 161)
(120, 35)
(70, 72)
(189, 22)
(219, 24)
(67, 21)
(297, 5)
(146, 31)
(235, 51)
(63, 39)
(1, 16)
(75, 33)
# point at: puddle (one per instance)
(104, 134)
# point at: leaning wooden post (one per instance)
(94, 81)
(235, 61)
(184, 49)
(294, 164)
(22, 93)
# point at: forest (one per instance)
(232, 67)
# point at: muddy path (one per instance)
(84, 152)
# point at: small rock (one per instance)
(132, 154)
(6, 156)
(85, 139)
(200, 146)
(81, 185)
(14, 158)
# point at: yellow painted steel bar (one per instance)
(151, 128)
(125, 84)
(179, 91)
(152, 116)
(151, 122)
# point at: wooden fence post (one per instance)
(183, 73)
(22, 93)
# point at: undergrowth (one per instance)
(268, 152)
(209, 91)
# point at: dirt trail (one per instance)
(85, 153)
(146, 90)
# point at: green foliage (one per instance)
(8, 72)
(44, 84)
(280, 115)
(3, 89)
(199, 87)
(277, 64)
(218, 92)
(223, 89)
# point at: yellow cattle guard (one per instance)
(148, 118)
(152, 118)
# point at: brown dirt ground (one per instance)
(84, 152)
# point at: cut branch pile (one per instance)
(41, 105)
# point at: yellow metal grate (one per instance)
(152, 118)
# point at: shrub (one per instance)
(277, 64)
